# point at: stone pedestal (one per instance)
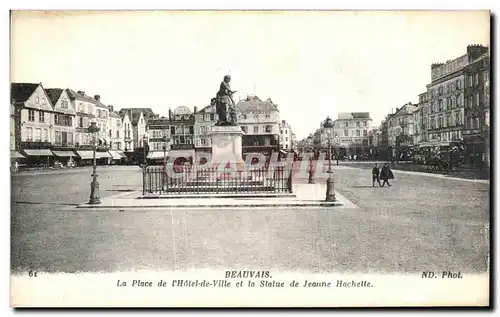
(226, 146)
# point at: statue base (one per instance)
(226, 147)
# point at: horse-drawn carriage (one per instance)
(444, 158)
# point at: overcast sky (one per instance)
(312, 64)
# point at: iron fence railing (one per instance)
(208, 180)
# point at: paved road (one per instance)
(420, 223)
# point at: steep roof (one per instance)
(76, 96)
(207, 109)
(114, 114)
(135, 113)
(254, 104)
(54, 94)
(20, 92)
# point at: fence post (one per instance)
(143, 180)
(290, 184)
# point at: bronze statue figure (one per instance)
(224, 104)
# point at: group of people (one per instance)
(384, 174)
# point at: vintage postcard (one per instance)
(250, 158)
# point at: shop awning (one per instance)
(15, 154)
(102, 155)
(155, 155)
(38, 152)
(85, 155)
(64, 153)
(117, 155)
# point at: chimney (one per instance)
(195, 109)
(434, 65)
(110, 107)
(97, 97)
(169, 113)
(475, 51)
(81, 92)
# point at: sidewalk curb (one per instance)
(321, 205)
(191, 196)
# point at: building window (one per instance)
(38, 135)
(346, 124)
(477, 99)
(365, 132)
(110, 133)
(31, 115)
(471, 101)
(256, 129)
(476, 79)
(41, 116)
(346, 132)
(358, 133)
(29, 134)
(358, 124)
(268, 116)
(470, 80)
(58, 137)
(457, 118)
(45, 135)
(269, 128)
(244, 116)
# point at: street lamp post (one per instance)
(330, 189)
(165, 140)
(94, 185)
(144, 164)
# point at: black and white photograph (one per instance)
(265, 158)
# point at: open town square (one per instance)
(355, 152)
(422, 222)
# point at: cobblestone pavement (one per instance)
(419, 223)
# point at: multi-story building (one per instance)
(286, 136)
(84, 107)
(294, 142)
(158, 130)
(33, 124)
(182, 122)
(205, 119)
(63, 124)
(102, 121)
(260, 122)
(138, 119)
(128, 132)
(446, 98)
(476, 94)
(116, 135)
(351, 132)
(401, 129)
(420, 119)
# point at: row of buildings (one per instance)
(453, 111)
(349, 134)
(51, 124)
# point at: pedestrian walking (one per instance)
(386, 174)
(375, 175)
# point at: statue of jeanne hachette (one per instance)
(224, 104)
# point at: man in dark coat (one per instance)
(375, 175)
(385, 175)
